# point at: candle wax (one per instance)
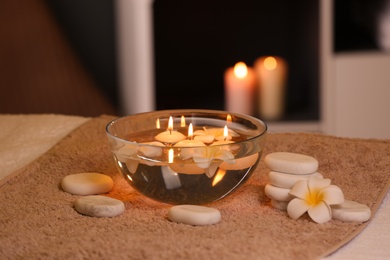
(170, 137)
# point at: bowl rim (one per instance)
(200, 111)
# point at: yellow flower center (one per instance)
(314, 197)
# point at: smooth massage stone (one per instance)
(286, 180)
(276, 193)
(351, 211)
(194, 215)
(280, 205)
(87, 183)
(99, 206)
(292, 163)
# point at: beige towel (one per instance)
(37, 218)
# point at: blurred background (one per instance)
(120, 57)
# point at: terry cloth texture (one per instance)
(38, 220)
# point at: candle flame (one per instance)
(270, 63)
(218, 177)
(170, 124)
(225, 133)
(190, 131)
(240, 70)
(229, 118)
(170, 156)
(158, 123)
(183, 121)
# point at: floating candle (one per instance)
(225, 138)
(190, 142)
(170, 136)
(188, 152)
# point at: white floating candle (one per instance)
(170, 136)
(187, 145)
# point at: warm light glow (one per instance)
(190, 131)
(183, 121)
(170, 156)
(225, 133)
(158, 123)
(229, 118)
(270, 63)
(218, 176)
(170, 124)
(240, 70)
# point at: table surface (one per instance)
(23, 138)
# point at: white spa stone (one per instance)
(280, 205)
(276, 193)
(87, 183)
(292, 163)
(99, 206)
(194, 215)
(286, 180)
(351, 211)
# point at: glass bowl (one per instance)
(186, 156)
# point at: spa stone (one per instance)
(292, 163)
(99, 206)
(286, 180)
(87, 183)
(351, 211)
(280, 205)
(276, 193)
(194, 215)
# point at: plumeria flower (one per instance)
(210, 157)
(314, 196)
(208, 135)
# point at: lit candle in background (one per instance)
(271, 76)
(182, 121)
(240, 83)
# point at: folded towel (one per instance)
(37, 218)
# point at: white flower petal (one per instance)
(202, 162)
(297, 208)
(316, 184)
(224, 155)
(204, 138)
(150, 149)
(300, 189)
(210, 172)
(320, 213)
(214, 131)
(199, 132)
(126, 152)
(132, 165)
(332, 195)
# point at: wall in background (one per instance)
(196, 41)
